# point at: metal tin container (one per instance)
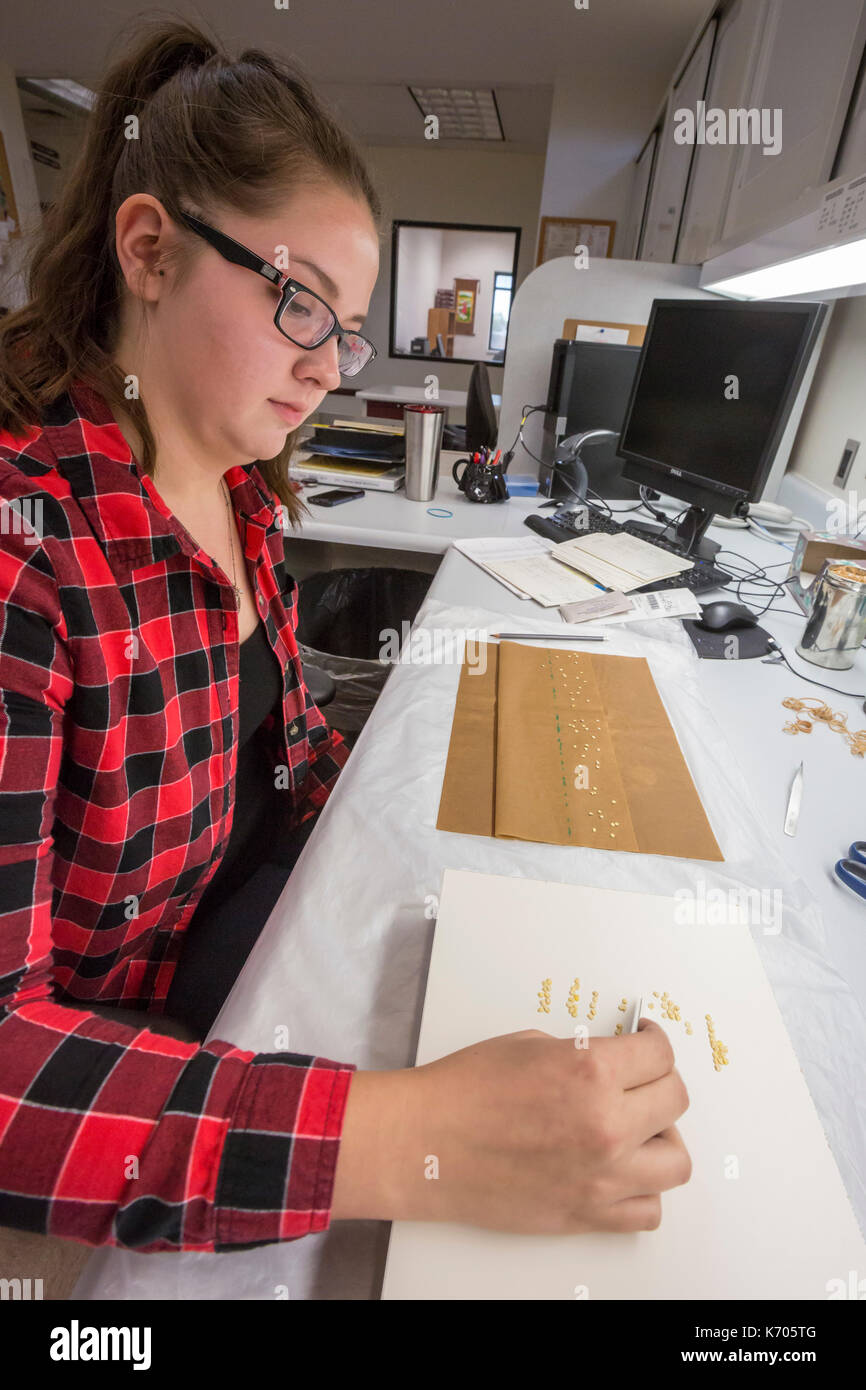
(837, 620)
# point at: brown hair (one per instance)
(213, 131)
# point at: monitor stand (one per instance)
(688, 535)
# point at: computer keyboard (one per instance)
(702, 576)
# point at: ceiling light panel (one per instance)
(464, 113)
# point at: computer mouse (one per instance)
(725, 615)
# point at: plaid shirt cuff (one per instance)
(276, 1178)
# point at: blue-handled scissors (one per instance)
(852, 871)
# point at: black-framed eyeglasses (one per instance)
(311, 320)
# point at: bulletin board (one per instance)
(560, 235)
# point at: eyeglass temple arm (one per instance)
(232, 250)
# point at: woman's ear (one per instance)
(144, 236)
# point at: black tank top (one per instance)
(258, 809)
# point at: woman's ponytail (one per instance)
(178, 118)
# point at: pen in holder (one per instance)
(481, 479)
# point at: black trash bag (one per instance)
(341, 616)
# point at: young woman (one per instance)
(197, 290)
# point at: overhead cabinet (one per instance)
(798, 67)
(674, 160)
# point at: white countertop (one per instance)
(419, 393)
(391, 521)
(343, 958)
(744, 696)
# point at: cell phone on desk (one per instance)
(336, 496)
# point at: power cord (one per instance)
(758, 574)
(758, 530)
(659, 515)
(851, 694)
(525, 413)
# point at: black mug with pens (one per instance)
(483, 479)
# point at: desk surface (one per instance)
(418, 394)
(389, 520)
(744, 696)
(343, 956)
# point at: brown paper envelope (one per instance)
(466, 804)
(557, 777)
(666, 811)
(584, 754)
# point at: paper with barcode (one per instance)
(663, 603)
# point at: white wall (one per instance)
(416, 185)
(836, 407)
(12, 291)
(420, 274)
(445, 186)
(589, 167)
(587, 172)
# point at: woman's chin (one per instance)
(266, 444)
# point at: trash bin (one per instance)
(341, 616)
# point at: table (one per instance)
(391, 521)
(745, 697)
(343, 958)
(417, 395)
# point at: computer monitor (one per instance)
(712, 393)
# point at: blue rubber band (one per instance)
(438, 511)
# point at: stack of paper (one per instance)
(351, 453)
(524, 566)
(619, 561)
(375, 477)
(374, 426)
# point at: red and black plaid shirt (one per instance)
(118, 725)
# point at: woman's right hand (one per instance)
(525, 1132)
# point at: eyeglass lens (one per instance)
(308, 320)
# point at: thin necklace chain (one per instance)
(231, 545)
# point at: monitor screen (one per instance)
(714, 388)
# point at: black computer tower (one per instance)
(589, 389)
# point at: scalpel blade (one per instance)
(794, 799)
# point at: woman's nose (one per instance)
(323, 363)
